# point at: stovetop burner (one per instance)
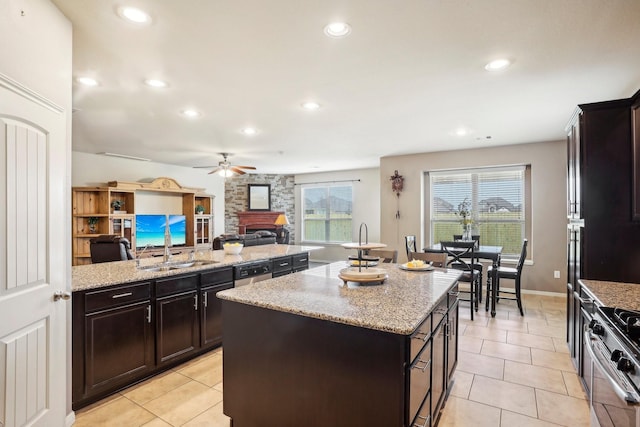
(627, 320)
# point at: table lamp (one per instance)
(282, 220)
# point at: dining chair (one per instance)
(410, 244)
(461, 255)
(386, 256)
(439, 259)
(511, 273)
(477, 266)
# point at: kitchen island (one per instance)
(307, 349)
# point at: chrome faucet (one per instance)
(167, 242)
(139, 255)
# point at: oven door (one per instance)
(612, 397)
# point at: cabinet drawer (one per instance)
(300, 261)
(423, 418)
(452, 295)
(176, 284)
(420, 337)
(439, 312)
(419, 376)
(215, 277)
(117, 296)
(282, 264)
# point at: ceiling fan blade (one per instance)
(215, 170)
(245, 167)
(236, 170)
(204, 167)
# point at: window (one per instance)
(327, 213)
(496, 197)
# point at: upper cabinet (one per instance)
(111, 210)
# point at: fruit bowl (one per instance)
(232, 248)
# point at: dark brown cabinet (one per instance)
(602, 231)
(124, 333)
(113, 340)
(211, 312)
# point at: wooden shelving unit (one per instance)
(88, 202)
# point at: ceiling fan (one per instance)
(225, 168)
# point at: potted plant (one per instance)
(117, 205)
(199, 209)
(92, 221)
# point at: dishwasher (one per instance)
(251, 272)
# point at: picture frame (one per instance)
(259, 197)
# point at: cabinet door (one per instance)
(211, 317)
(438, 368)
(118, 346)
(177, 329)
(452, 341)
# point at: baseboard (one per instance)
(70, 419)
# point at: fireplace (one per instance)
(259, 220)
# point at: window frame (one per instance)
(475, 194)
(328, 219)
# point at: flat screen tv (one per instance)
(150, 230)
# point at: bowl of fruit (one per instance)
(232, 248)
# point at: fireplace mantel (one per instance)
(257, 220)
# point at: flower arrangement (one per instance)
(465, 213)
(199, 209)
(117, 204)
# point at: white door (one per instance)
(33, 259)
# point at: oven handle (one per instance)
(627, 395)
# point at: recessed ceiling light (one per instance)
(87, 81)
(191, 113)
(310, 105)
(461, 132)
(337, 29)
(134, 15)
(249, 131)
(498, 64)
(155, 83)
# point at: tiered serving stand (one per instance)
(358, 274)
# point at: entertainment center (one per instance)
(114, 209)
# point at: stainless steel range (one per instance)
(612, 367)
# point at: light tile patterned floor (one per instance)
(512, 371)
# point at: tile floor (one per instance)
(512, 371)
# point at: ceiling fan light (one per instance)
(225, 173)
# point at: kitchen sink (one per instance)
(176, 265)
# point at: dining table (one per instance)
(490, 253)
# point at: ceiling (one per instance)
(405, 80)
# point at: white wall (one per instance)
(94, 169)
(366, 208)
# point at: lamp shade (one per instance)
(282, 220)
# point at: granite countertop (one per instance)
(398, 305)
(614, 294)
(112, 273)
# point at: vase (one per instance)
(466, 232)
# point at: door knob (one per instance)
(58, 295)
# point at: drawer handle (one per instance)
(284, 264)
(302, 260)
(424, 337)
(426, 421)
(126, 294)
(427, 363)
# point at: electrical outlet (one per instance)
(556, 274)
